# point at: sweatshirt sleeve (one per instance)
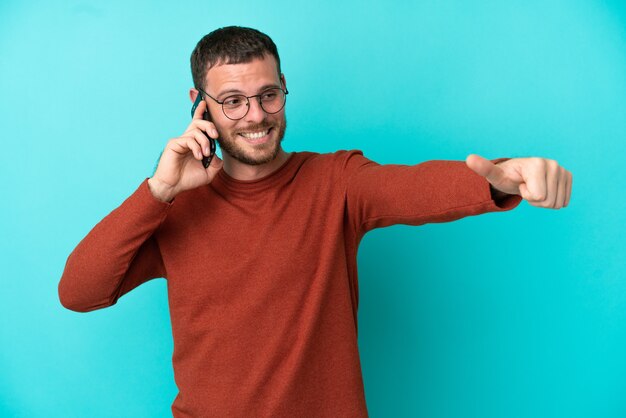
(117, 255)
(434, 191)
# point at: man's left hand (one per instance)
(540, 181)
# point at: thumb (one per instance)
(523, 189)
(485, 168)
(215, 166)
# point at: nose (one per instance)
(255, 113)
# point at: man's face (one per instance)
(235, 135)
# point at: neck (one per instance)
(240, 171)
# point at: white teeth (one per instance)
(255, 135)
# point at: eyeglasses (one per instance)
(237, 106)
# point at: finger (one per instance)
(199, 113)
(561, 187)
(552, 180)
(179, 145)
(193, 146)
(523, 189)
(204, 125)
(183, 145)
(485, 168)
(209, 128)
(570, 180)
(202, 139)
(534, 174)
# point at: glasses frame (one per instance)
(285, 92)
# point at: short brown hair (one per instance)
(230, 45)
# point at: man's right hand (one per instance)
(180, 166)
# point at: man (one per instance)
(259, 250)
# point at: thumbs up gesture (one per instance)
(540, 181)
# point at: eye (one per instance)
(268, 95)
(233, 101)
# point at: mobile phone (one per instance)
(206, 161)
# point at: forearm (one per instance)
(115, 256)
(433, 191)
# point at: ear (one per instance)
(193, 93)
(282, 79)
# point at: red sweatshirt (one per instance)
(262, 275)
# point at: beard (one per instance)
(234, 145)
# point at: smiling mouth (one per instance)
(257, 136)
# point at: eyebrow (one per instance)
(265, 87)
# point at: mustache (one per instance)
(256, 127)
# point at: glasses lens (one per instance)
(235, 107)
(272, 100)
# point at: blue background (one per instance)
(519, 314)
